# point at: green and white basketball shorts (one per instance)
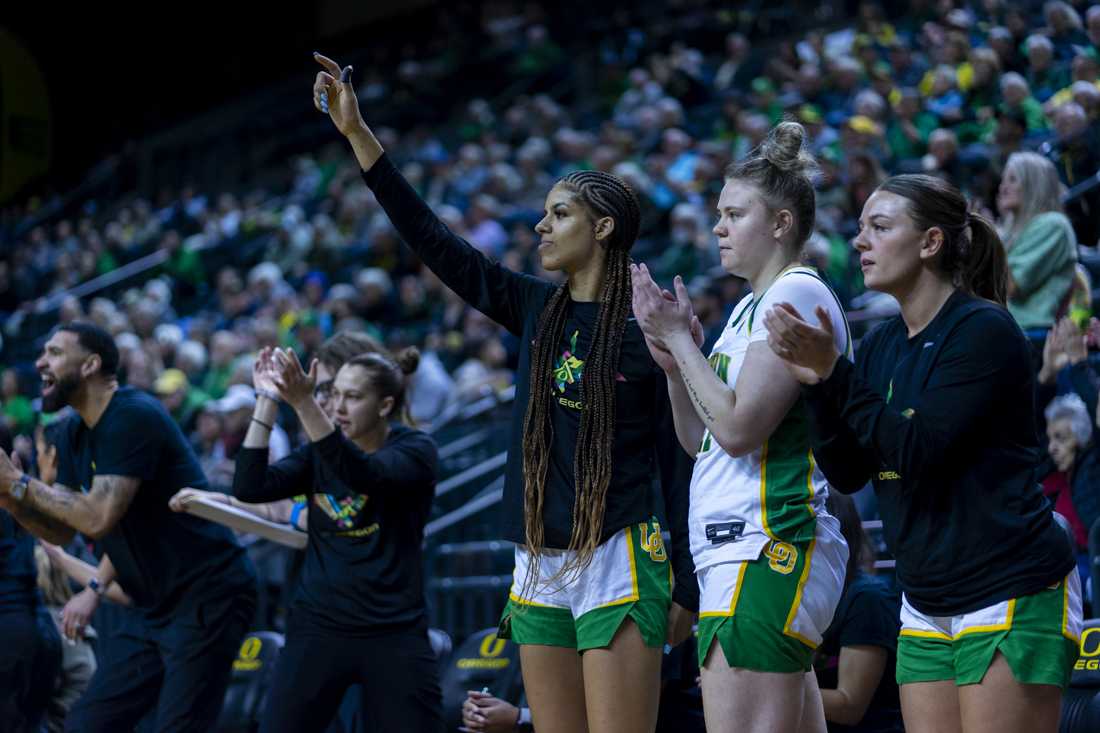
(629, 577)
(769, 614)
(1039, 635)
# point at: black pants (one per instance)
(30, 660)
(398, 673)
(180, 667)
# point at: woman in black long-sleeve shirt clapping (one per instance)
(358, 614)
(938, 413)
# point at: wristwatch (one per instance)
(19, 487)
(96, 586)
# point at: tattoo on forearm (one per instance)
(82, 511)
(38, 522)
(697, 399)
(50, 500)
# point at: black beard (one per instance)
(62, 394)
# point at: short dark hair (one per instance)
(97, 341)
(339, 350)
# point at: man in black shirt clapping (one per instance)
(120, 458)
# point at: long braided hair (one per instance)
(602, 195)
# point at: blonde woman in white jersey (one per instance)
(769, 559)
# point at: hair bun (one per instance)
(784, 148)
(408, 359)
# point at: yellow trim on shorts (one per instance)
(922, 634)
(516, 599)
(736, 594)
(764, 491)
(633, 574)
(810, 483)
(1003, 626)
(798, 599)
(1065, 613)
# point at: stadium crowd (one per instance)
(1001, 99)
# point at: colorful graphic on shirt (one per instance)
(568, 369)
(342, 511)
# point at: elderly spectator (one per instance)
(1065, 28)
(1073, 470)
(1043, 73)
(1016, 99)
(1076, 152)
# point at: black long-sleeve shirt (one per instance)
(943, 425)
(645, 443)
(363, 572)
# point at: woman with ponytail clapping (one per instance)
(937, 412)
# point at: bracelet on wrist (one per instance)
(261, 422)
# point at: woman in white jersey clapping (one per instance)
(770, 560)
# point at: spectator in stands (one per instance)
(589, 224)
(943, 158)
(1039, 240)
(858, 652)
(224, 349)
(1076, 153)
(182, 401)
(1074, 467)
(910, 127)
(1092, 27)
(1071, 486)
(1044, 75)
(1016, 96)
(1065, 28)
(15, 408)
(360, 598)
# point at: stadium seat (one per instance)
(482, 661)
(1080, 711)
(252, 672)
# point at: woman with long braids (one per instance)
(770, 559)
(590, 601)
(937, 412)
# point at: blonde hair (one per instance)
(1040, 191)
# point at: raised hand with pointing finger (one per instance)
(334, 95)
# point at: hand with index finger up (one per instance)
(334, 95)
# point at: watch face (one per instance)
(19, 488)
